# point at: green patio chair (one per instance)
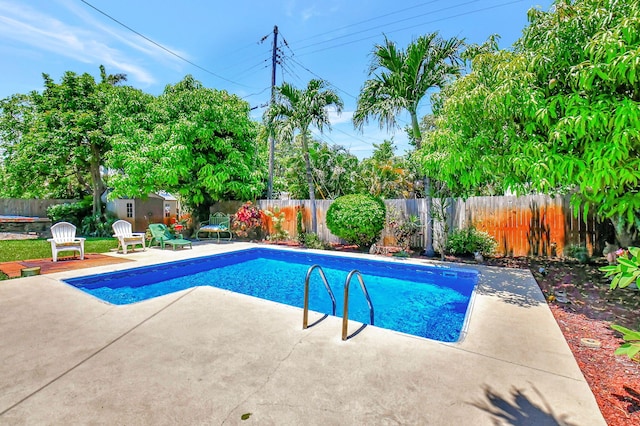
(217, 225)
(161, 235)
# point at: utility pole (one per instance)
(272, 141)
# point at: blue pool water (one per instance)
(420, 300)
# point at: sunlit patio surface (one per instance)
(210, 356)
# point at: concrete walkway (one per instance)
(210, 356)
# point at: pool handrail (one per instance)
(305, 315)
(345, 315)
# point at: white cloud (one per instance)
(28, 27)
(319, 9)
(124, 36)
(344, 117)
(309, 13)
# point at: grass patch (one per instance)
(16, 250)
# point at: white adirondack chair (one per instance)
(122, 231)
(64, 239)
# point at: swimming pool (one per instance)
(421, 300)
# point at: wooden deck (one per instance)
(66, 263)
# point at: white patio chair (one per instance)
(122, 231)
(64, 239)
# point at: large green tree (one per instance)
(475, 144)
(297, 110)
(54, 142)
(399, 81)
(197, 142)
(560, 113)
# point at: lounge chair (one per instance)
(217, 224)
(161, 235)
(64, 239)
(122, 231)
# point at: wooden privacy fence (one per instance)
(522, 226)
(28, 207)
(531, 225)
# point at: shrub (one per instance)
(98, 225)
(469, 241)
(358, 219)
(247, 222)
(278, 220)
(70, 212)
(312, 241)
(578, 252)
(300, 227)
(403, 228)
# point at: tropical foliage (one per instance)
(560, 113)
(278, 220)
(195, 142)
(626, 272)
(400, 80)
(297, 110)
(334, 170)
(247, 222)
(386, 175)
(402, 227)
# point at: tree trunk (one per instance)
(96, 179)
(415, 126)
(312, 191)
(272, 148)
(626, 236)
(417, 136)
(428, 246)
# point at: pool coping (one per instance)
(63, 347)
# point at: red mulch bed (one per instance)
(614, 380)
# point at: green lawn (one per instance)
(14, 250)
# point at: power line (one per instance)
(289, 70)
(261, 65)
(265, 54)
(353, 136)
(257, 93)
(414, 26)
(161, 46)
(368, 20)
(387, 24)
(337, 88)
(316, 75)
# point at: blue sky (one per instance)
(219, 44)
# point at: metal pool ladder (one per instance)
(305, 315)
(345, 317)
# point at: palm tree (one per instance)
(295, 109)
(399, 81)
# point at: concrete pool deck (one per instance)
(210, 356)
